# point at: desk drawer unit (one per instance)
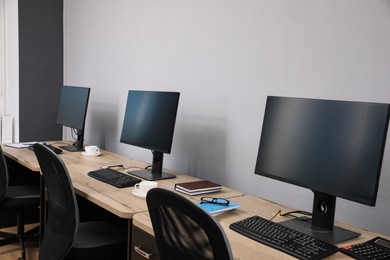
(143, 245)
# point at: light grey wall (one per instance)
(225, 57)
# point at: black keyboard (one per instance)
(54, 149)
(283, 238)
(113, 177)
(377, 248)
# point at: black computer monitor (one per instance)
(149, 122)
(334, 148)
(72, 111)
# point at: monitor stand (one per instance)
(77, 146)
(72, 148)
(148, 175)
(321, 225)
(156, 173)
(334, 236)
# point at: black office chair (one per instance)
(65, 237)
(183, 230)
(18, 198)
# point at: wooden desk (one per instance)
(120, 202)
(244, 248)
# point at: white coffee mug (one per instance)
(91, 149)
(144, 186)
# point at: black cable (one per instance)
(296, 211)
(73, 132)
(291, 214)
(277, 213)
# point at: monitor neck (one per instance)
(157, 172)
(80, 140)
(157, 163)
(324, 207)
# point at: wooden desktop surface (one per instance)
(245, 248)
(120, 202)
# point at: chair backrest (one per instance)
(183, 230)
(62, 209)
(3, 176)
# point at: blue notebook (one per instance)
(217, 208)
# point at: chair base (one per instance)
(12, 238)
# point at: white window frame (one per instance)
(9, 63)
(2, 58)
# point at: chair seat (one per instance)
(21, 196)
(98, 234)
(95, 237)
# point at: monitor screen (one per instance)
(72, 111)
(149, 123)
(334, 148)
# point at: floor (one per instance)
(13, 252)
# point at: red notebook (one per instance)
(198, 187)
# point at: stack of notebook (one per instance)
(198, 187)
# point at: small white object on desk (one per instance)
(91, 149)
(141, 189)
(20, 145)
(6, 130)
(91, 154)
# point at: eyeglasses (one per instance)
(212, 200)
